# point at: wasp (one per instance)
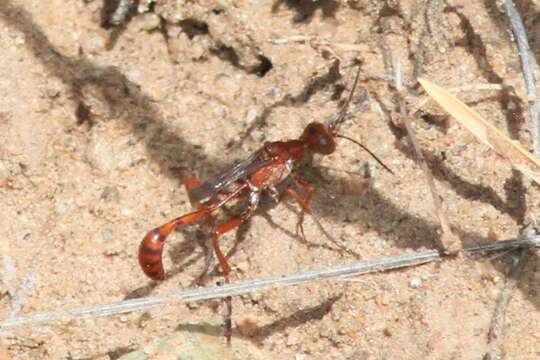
(262, 172)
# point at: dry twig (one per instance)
(527, 66)
(449, 241)
(358, 268)
(121, 12)
(17, 290)
(496, 329)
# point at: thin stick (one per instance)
(216, 292)
(497, 327)
(527, 67)
(449, 241)
(120, 14)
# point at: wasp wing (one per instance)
(237, 172)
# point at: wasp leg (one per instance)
(221, 229)
(304, 202)
(191, 183)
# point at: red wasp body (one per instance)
(264, 170)
(269, 167)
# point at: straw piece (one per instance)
(216, 292)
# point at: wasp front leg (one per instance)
(303, 201)
(305, 205)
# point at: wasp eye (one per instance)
(312, 130)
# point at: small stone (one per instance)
(93, 42)
(257, 296)
(62, 207)
(107, 234)
(144, 6)
(148, 22)
(127, 212)
(134, 75)
(379, 243)
(52, 93)
(251, 115)
(349, 325)
(247, 325)
(415, 283)
(19, 40)
(41, 106)
(100, 154)
(293, 338)
(193, 305)
(107, 155)
(110, 194)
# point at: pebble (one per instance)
(61, 207)
(107, 155)
(251, 115)
(100, 154)
(192, 305)
(348, 325)
(293, 338)
(19, 40)
(247, 325)
(144, 6)
(148, 22)
(107, 234)
(110, 194)
(379, 243)
(415, 283)
(52, 92)
(93, 42)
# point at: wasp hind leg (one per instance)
(221, 229)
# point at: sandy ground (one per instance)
(98, 127)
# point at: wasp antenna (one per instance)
(343, 111)
(367, 150)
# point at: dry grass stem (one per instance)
(449, 241)
(459, 89)
(216, 292)
(527, 67)
(497, 327)
(486, 133)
